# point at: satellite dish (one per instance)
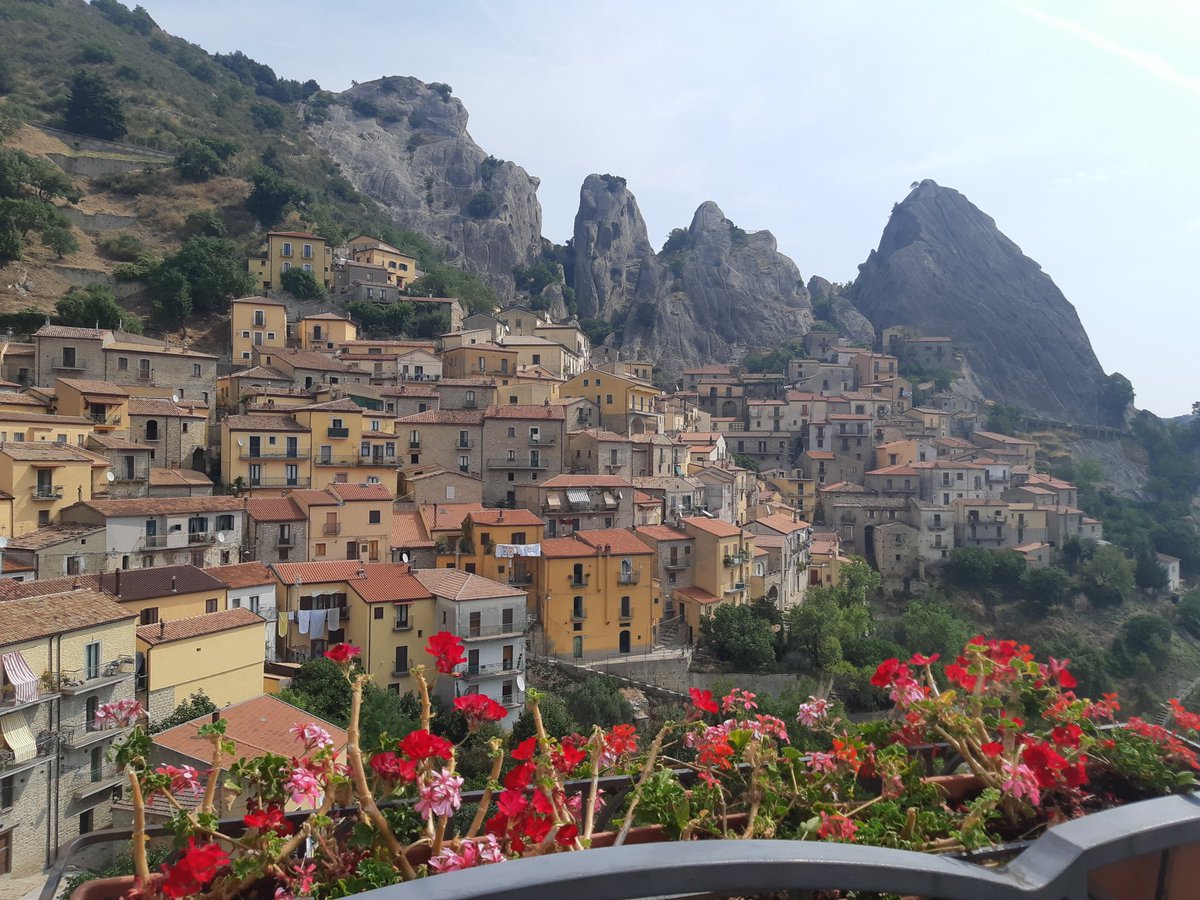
(404, 557)
(520, 682)
(241, 443)
(110, 476)
(620, 496)
(174, 398)
(220, 537)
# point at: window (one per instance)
(374, 517)
(123, 363)
(97, 765)
(7, 796)
(464, 465)
(43, 518)
(307, 251)
(210, 605)
(85, 822)
(225, 523)
(400, 667)
(626, 608)
(402, 621)
(143, 368)
(287, 248)
(149, 615)
(195, 370)
(319, 550)
(608, 398)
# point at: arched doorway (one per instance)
(624, 642)
(198, 460)
(637, 426)
(729, 409)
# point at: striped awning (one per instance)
(19, 737)
(576, 495)
(20, 676)
(553, 501)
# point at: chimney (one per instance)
(500, 518)
(174, 590)
(162, 627)
(117, 586)
(216, 716)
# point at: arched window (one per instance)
(152, 429)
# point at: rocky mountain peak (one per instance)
(944, 267)
(611, 246)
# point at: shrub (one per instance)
(301, 284)
(206, 222)
(481, 205)
(92, 109)
(124, 247)
(95, 306)
(196, 161)
(266, 116)
(96, 54)
(364, 107)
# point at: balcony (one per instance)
(547, 440)
(472, 632)
(521, 580)
(99, 787)
(514, 699)
(145, 375)
(489, 670)
(152, 542)
(82, 735)
(277, 483)
(105, 420)
(578, 581)
(47, 690)
(285, 542)
(74, 364)
(338, 432)
(46, 491)
(273, 454)
(464, 445)
(201, 537)
(402, 626)
(502, 463)
(73, 682)
(46, 744)
(331, 528)
(414, 445)
(676, 566)
(736, 587)
(629, 577)
(374, 459)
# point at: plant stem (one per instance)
(141, 866)
(486, 800)
(647, 770)
(589, 816)
(210, 789)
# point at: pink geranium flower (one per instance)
(304, 787)
(312, 735)
(441, 796)
(812, 712)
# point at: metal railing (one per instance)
(491, 630)
(520, 580)
(105, 419)
(78, 681)
(45, 744)
(331, 528)
(152, 542)
(273, 454)
(488, 669)
(46, 491)
(629, 577)
(580, 581)
(280, 483)
(375, 459)
(201, 537)
(338, 432)
(502, 463)
(548, 440)
(75, 365)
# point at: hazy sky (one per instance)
(1075, 124)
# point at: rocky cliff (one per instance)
(712, 293)
(405, 144)
(944, 268)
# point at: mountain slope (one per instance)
(945, 268)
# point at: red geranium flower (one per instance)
(391, 767)
(919, 659)
(703, 700)
(518, 778)
(566, 835)
(197, 867)
(992, 748)
(524, 751)
(569, 758)
(342, 654)
(447, 650)
(421, 745)
(886, 672)
(269, 819)
(479, 708)
(511, 803)
(1058, 671)
(620, 740)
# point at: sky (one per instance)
(1075, 124)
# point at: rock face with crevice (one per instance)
(944, 268)
(405, 144)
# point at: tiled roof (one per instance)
(37, 616)
(505, 517)
(140, 345)
(144, 584)
(699, 594)
(21, 400)
(895, 470)
(586, 481)
(354, 492)
(344, 404)
(298, 234)
(782, 524)
(408, 531)
(662, 533)
(309, 359)
(446, 516)
(274, 509)
(8, 565)
(525, 411)
(306, 498)
(50, 535)
(239, 575)
(455, 584)
(263, 423)
(102, 388)
(41, 451)
(325, 317)
(179, 478)
(389, 583)
(197, 626)
(600, 434)
(410, 389)
(260, 301)
(434, 470)
(257, 727)
(259, 372)
(621, 541)
(844, 487)
(116, 442)
(641, 498)
(717, 527)
(444, 417)
(1001, 438)
(566, 548)
(319, 572)
(164, 406)
(68, 331)
(163, 506)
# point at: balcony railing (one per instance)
(578, 580)
(488, 670)
(332, 528)
(81, 681)
(45, 744)
(152, 542)
(105, 419)
(201, 537)
(502, 463)
(85, 734)
(735, 587)
(491, 630)
(402, 626)
(516, 698)
(273, 454)
(521, 580)
(47, 690)
(46, 491)
(75, 365)
(280, 482)
(546, 440)
(338, 432)
(464, 445)
(374, 459)
(629, 577)
(282, 541)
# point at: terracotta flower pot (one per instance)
(657, 834)
(103, 888)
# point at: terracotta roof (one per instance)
(68, 331)
(162, 506)
(31, 617)
(306, 498)
(782, 524)
(50, 535)
(455, 584)
(586, 481)
(263, 423)
(308, 359)
(525, 411)
(164, 581)
(820, 454)
(717, 527)
(505, 517)
(8, 565)
(698, 594)
(895, 470)
(179, 477)
(344, 404)
(662, 533)
(641, 498)
(390, 583)
(621, 541)
(197, 626)
(140, 345)
(257, 727)
(100, 388)
(259, 372)
(354, 492)
(260, 301)
(299, 234)
(410, 389)
(326, 317)
(274, 509)
(22, 400)
(116, 442)
(408, 531)
(434, 470)
(241, 575)
(600, 434)
(42, 451)
(844, 487)
(164, 406)
(446, 516)
(444, 417)
(566, 547)
(1001, 438)
(319, 572)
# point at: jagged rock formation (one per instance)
(944, 268)
(405, 144)
(841, 313)
(711, 294)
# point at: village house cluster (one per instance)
(175, 521)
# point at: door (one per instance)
(91, 659)
(472, 662)
(623, 642)
(129, 468)
(577, 648)
(256, 446)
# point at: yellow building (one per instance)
(627, 404)
(721, 569)
(401, 269)
(349, 444)
(41, 428)
(219, 653)
(166, 593)
(255, 322)
(489, 546)
(293, 249)
(105, 404)
(348, 521)
(326, 331)
(43, 479)
(270, 453)
(595, 596)
(381, 608)
(480, 360)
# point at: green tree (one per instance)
(746, 462)
(598, 701)
(930, 625)
(1148, 572)
(1188, 612)
(213, 269)
(301, 284)
(60, 238)
(481, 205)
(95, 306)
(205, 222)
(1004, 418)
(196, 705)
(1046, 587)
(597, 330)
(814, 630)
(1142, 645)
(196, 161)
(270, 194)
(93, 109)
(555, 718)
(1116, 394)
(740, 637)
(266, 116)
(1107, 577)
